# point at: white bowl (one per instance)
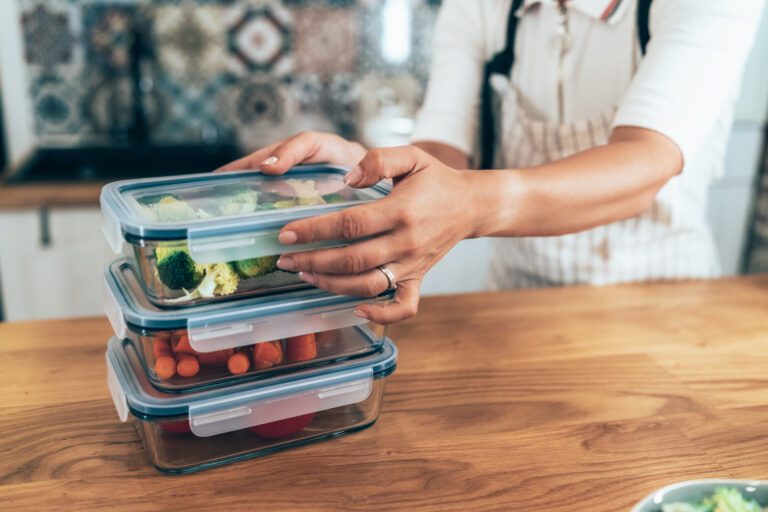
(696, 490)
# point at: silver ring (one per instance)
(391, 281)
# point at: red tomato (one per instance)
(176, 427)
(283, 428)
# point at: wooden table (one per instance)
(556, 400)
(38, 195)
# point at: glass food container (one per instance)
(207, 237)
(253, 338)
(189, 432)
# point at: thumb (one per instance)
(383, 163)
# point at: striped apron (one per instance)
(671, 240)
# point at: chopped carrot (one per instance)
(182, 345)
(267, 354)
(238, 363)
(217, 358)
(161, 347)
(187, 365)
(165, 366)
(301, 348)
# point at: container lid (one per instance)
(215, 411)
(230, 215)
(231, 324)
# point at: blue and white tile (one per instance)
(260, 38)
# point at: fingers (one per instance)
(277, 158)
(383, 163)
(252, 161)
(370, 284)
(353, 259)
(304, 147)
(367, 284)
(404, 306)
(350, 224)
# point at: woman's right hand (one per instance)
(304, 147)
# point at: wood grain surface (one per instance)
(569, 399)
(38, 195)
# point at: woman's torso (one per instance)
(559, 103)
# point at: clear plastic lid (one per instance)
(244, 405)
(226, 216)
(213, 327)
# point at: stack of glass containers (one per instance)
(218, 355)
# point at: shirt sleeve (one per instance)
(692, 68)
(450, 110)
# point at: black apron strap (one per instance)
(501, 63)
(643, 32)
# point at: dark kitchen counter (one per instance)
(74, 176)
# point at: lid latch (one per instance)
(111, 227)
(281, 401)
(113, 311)
(116, 390)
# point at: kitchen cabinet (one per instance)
(731, 197)
(54, 270)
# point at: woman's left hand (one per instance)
(430, 209)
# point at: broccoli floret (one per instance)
(244, 201)
(725, 498)
(285, 203)
(228, 190)
(728, 498)
(220, 279)
(256, 267)
(176, 268)
(171, 209)
(154, 198)
(333, 198)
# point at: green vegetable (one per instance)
(333, 198)
(176, 268)
(256, 267)
(229, 190)
(730, 500)
(725, 499)
(688, 507)
(170, 209)
(154, 198)
(220, 279)
(245, 200)
(285, 203)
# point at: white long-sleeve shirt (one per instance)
(684, 87)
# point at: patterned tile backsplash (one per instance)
(213, 71)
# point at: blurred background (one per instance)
(95, 90)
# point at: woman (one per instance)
(611, 120)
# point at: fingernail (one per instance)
(286, 263)
(353, 176)
(360, 314)
(308, 278)
(270, 161)
(287, 237)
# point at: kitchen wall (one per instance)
(252, 71)
(220, 70)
